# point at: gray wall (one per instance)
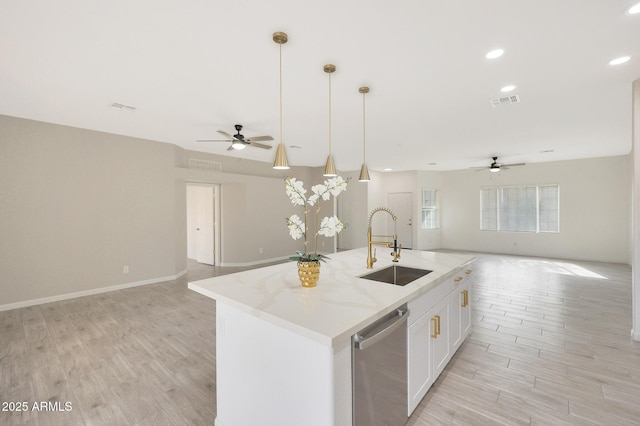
(78, 205)
(254, 209)
(595, 210)
(353, 210)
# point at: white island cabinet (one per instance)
(283, 352)
(439, 321)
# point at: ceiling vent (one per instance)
(212, 166)
(123, 107)
(513, 99)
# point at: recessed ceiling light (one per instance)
(620, 60)
(494, 54)
(387, 169)
(508, 88)
(634, 9)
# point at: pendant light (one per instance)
(280, 162)
(364, 171)
(330, 167)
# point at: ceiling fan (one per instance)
(238, 141)
(496, 167)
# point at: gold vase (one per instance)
(309, 272)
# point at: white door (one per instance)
(200, 223)
(400, 204)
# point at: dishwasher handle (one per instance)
(363, 342)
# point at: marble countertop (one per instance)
(340, 305)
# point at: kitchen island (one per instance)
(283, 352)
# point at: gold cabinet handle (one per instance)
(438, 317)
(465, 298)
(458, 279)
(468, 271)
(435, 328)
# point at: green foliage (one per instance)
(308, 257)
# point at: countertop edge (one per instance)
(343, 335)
(288, 325)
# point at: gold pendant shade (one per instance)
(364, 171)
(330, 167)
(281, 161)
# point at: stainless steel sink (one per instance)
(396, 275)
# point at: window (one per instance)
(429, 209)
(532, 208)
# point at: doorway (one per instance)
(400, 204)
(203, 228)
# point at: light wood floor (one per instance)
(550, 346)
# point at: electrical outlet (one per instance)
(125, 269)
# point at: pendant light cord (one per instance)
(364, 127)
(281, 93)
(329, 114)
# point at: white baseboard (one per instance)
(254, 263)
(91, 292)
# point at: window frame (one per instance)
(429, 208)
(498, 197)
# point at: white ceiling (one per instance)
(193, 67)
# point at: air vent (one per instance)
(212, 166)
(513, 99)
(123, 107)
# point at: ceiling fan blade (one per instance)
(222, 132)
(259, 145)
(515, 164)
(231, 148)
(213, 140)
(259, 138)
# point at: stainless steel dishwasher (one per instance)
(379, 371)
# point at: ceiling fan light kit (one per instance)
(496, 167)
(238, 140)
(364, 170)
(238, 145)
(280, 162)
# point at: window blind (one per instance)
(531, 208)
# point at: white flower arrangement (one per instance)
(329, 226)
